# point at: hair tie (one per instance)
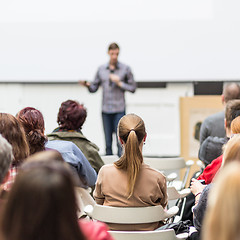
(132, 129)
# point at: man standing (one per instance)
(115, 78)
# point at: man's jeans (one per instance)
(110, 123)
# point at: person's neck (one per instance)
(112, 66)
(228, 132)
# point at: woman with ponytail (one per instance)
(129, 182)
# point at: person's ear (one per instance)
(225, 123)
(223, 99)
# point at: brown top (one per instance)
(150, 189)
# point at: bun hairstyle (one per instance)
(131, 130)
(33, 123)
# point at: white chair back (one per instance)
(130, 215)
(143, 235)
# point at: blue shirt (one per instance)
(74, 156)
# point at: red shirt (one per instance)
(210, 171)
(95, 230)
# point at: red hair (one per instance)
(71, 115)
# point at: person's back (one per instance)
(71, 117)
(149, 190)
(214, 124)
(129, 182)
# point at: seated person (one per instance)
(222, 215)
(129, 182)
(231, 154)
(42, 205)
(71, 117)
(33, 123)
(6, 158)
(12, 130)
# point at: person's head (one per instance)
(49, 155)
(231, 91)
(235, 125)
(231, 150)
(33, 123)
(132, 134)
(42, 205)
(222, 216)
(6, 158)
(232, 111)
(71, 115)
(12, 130)
(113, 52)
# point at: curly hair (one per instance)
(33, 123)
(71, 115)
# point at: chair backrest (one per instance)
(84, 199)
(130, 215)
(168, 234)
(162, 164)
(174, 194)
(108, 159)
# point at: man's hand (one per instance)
(84, 83)
(115, 79)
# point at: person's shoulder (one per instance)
(103, 66)
(152, 171)
(123, 65)
(215, 116)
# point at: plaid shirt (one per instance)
(11, 178)
(113, 100)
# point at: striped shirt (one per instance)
(113, 100)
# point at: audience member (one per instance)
(222, 216)
(6, 158)
(231, 112)
(12, 130)
(33, 122)
(129, 182)
(71, 117)
(231, 154)
(214, 124)
(42, 205)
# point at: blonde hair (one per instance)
(232, 150)
(222, 217)
(131, 130)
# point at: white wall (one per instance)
(158, 107)
(173, 40)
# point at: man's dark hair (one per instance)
(113, 46)
(231, 91)
(232, 111)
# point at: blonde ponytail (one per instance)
(132, 158)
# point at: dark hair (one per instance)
(231, 91)
(113, 46)
(33, 123)
(131, 130)
(71, 115)
(42, 205)
(12, 130)
(232, 111)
